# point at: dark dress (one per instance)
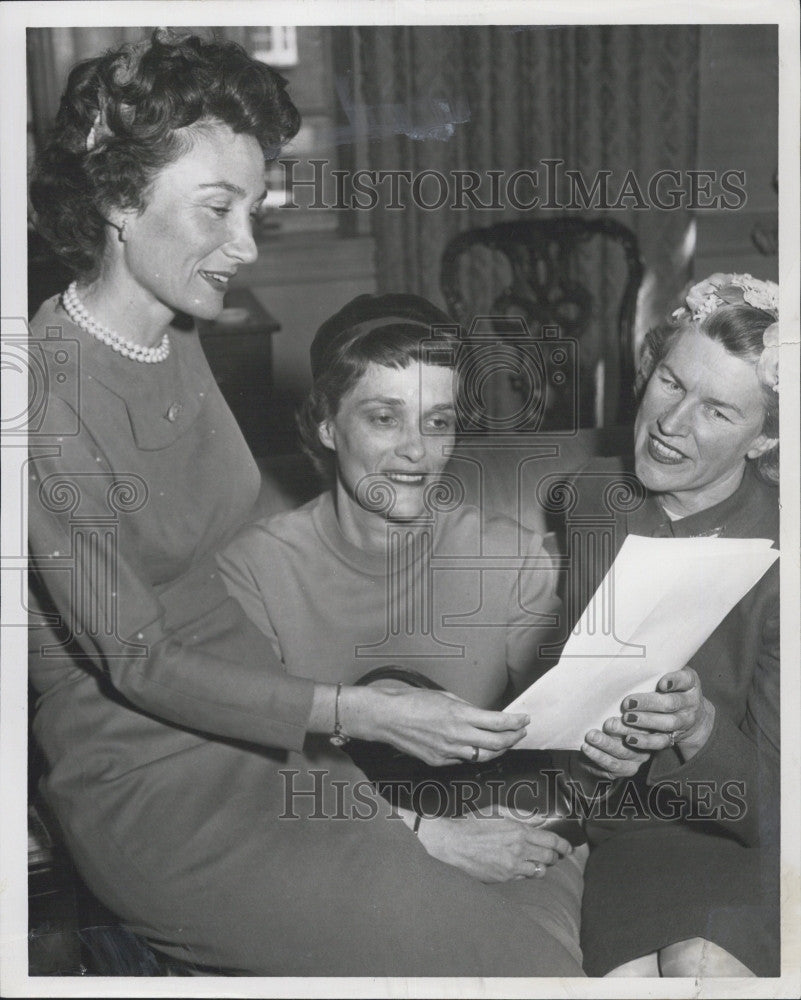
(166, 720)
(652, 880)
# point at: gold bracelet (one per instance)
(338, 738)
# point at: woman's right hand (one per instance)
(493, 847)
(435, 726)
(608, 753)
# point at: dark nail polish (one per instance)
(630, 717)
(632, 741)
(631, 703)
(668, 685)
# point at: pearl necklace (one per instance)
(77, 313)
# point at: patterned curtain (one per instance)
(599, 98)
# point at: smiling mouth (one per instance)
(218, 279)
(664, 453)
(407, 478)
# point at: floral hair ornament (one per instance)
(734, 289)
(768, 364)
(730, 289)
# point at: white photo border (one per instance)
(15, 17)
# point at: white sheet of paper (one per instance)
(660, 601)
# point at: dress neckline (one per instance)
(162, 401)
(326, 523)
(734, 515)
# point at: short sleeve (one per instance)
(235, 562)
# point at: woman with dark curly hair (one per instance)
(692, 889)
(164, 715)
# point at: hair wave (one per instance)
(145, 94)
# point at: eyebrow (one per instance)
(394, 401)
(720, 403)
(233, 188)
(723, 405)
(386, 400)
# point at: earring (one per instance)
(121, 231)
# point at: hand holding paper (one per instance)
(660, 601)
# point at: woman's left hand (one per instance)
(676, 714)
(493, 845)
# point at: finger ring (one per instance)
(538, 869)
(476, 752)
(673, 739)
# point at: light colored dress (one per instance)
(464, 599)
